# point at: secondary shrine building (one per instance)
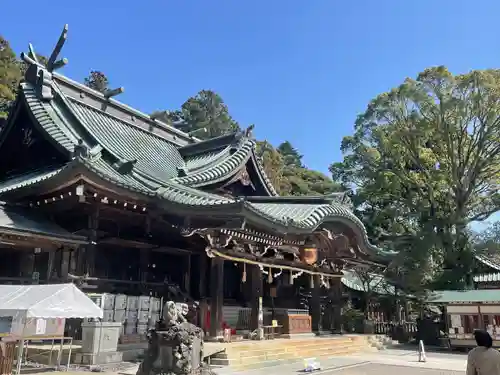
(99, 193)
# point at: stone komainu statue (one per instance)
(175, 345)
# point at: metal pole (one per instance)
(100, 339)
(20, 350)
(26, 342)
(69, 354)
(51, 351)
(59, 355)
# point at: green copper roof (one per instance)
(19, 221)
(155, 156)
(208, 159)
(222, 168)
(47, 115)
(377, 283)
(220, 158)
(153, 165)
(464, 296)
(27, 179)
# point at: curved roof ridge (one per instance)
(261, 171)
(98, 95)
(221, 170)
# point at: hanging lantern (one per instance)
(308, 255)
(270, 276)
(291, 277)
(244, 275)
(312, 282)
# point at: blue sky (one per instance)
(300, 70)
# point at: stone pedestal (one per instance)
(99, 343)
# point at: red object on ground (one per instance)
(224, 324)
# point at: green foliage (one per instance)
(291, 156)
(97, 81)
(425, 159)
(10, 76)
(206, 114)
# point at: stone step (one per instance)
(256, 354)
(296, 353)
(290, 349)
(251, 345)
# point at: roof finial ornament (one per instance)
(80, 150)
(53, 63)
(110, 93)
(196, 131)
(32, 53)
(249, 131)
(38, 76)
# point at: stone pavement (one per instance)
(402, 362)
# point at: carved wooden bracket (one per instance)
(257, 253)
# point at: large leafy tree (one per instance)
(425, 159)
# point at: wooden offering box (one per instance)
(294, 321)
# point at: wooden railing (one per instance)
(396, 330)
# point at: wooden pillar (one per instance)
(316, 304)
(217, 296)
(93, 224)
(336, 289)
(187, 275)
(50, 264)
(256, 294)
(28, 263)
(144, 265)
(65, 264)
(202, 285)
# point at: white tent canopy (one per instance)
(46, 301)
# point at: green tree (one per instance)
(427, 153)
(97, 81)
(206, 110)
(303, 181)
(290, 154)
(273, 166)
(10, 76)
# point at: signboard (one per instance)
(41, 327)
(456, 320)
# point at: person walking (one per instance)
(483, 360)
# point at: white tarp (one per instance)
(46, 301)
